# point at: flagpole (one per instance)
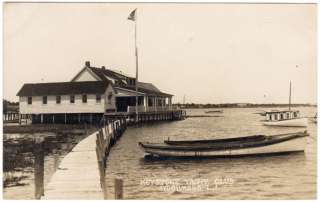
(136, 53)
(290, 97)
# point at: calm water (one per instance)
(275, 177)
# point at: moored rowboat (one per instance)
(283, 143)
(212, 141)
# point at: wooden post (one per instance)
(41, 118)
(53, 119)
(56, 161)
(39, 168)
(105, 189)
(118, 188)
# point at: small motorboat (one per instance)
(241, 146)
(289, 118)
(214, 111)
(285, 119)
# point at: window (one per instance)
(58, 99)
(71, 98)
(44, 100)
(29, 100)
(98, 98)
(84, 98)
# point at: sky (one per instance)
(209, 53)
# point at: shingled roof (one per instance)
(119, 79)
(63, 88)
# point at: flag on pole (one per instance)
(132, 15)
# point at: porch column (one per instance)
(146, 102)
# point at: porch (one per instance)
(126, 101)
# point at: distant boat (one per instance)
(288, 118)
(214, 111)
(242, 146)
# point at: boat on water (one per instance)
(214, 111)
(285, 118)
(240, 146)
(211, 141)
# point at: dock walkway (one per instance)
(81, 174)
(77, 176)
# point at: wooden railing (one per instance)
(107, 135)
(11, 117)
(142, 108)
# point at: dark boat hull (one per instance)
(272, 144)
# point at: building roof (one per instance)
(63, 88)
(149, 89)
(119, 79)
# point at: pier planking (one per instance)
(77, 176)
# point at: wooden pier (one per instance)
(77, 176)
(149, 116)
(80, 174)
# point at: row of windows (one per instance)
(71, 99)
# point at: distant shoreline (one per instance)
(238, 105)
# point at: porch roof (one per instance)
(122, 92)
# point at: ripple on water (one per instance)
(272, 177)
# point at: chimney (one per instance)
(87, 64)
(103, 67)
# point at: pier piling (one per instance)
(118, 189)
(39, 168)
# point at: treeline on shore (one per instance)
(238, 105)
(10, 107)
